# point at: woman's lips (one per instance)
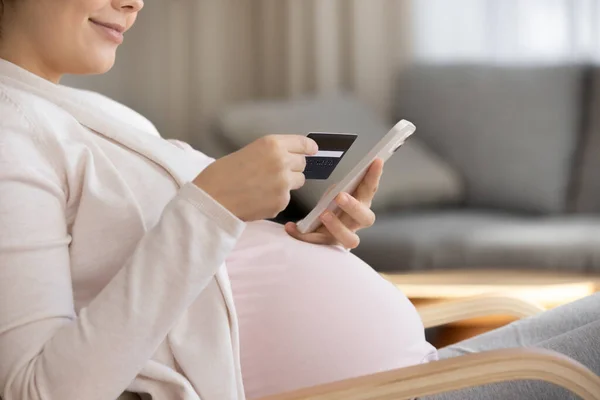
(112, 32)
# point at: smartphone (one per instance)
(386, 147)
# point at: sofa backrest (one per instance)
(512, 131)
(586, 197)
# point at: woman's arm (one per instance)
(47, 352)
(341, 230)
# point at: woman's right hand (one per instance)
(255, 182)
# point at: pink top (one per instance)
(313, 314)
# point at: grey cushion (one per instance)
(469, 239)
(586, 198)
(511, 131)
(414, 176)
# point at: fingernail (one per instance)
(327, 217)
(343, 199)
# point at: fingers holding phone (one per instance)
(384, 149)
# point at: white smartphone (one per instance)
(386, 147)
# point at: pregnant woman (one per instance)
(130, 263)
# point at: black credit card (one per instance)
(332, 148)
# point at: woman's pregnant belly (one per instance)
(312, 314)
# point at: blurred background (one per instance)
(502, 172)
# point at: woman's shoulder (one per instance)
(22, 109)
(22, 134)
(25, 108)
(19, 111)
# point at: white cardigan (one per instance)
(105, 284)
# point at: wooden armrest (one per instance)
(479, 306)
(459, 373)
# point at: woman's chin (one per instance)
(104, 63)
(94, 64)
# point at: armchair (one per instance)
(465, 371)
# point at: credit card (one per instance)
(332, 148)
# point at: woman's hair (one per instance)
(2, 7)
(1, 15)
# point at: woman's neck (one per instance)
(21, 53)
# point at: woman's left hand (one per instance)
(355, 214)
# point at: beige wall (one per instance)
(324, 46)
(186, 59)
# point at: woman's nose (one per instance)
(130, 5)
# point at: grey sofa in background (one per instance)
(500, 174)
